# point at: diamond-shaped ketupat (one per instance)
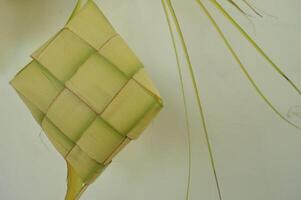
(89, 93)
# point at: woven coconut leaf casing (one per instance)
(90, 94)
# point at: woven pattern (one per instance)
(88, 91)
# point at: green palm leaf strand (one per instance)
(169, 10)
(167, 4)
(233, 3)
(183, 94)
(243, 68)
(252, 8)
(253, 43)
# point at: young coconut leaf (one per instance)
(183, 93)
(243, 68)
(168, 4)
(254, 44)
(168, 9)
(252, 8)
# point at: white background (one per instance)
(257, 155)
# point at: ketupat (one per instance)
(90, 94)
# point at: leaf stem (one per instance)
(197, 94)
(187, 121)
(254, 44)
(246, 73)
